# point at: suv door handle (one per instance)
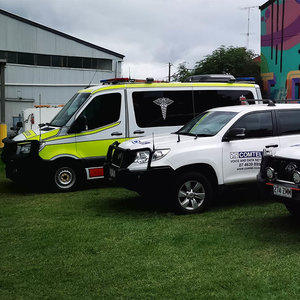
(271, 146)
(138, 132)
(117, 133)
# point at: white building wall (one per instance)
(27, 85)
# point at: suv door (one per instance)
(288, 126)
(242, 156)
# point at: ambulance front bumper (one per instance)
(21, 160)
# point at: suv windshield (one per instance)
(208, 123)
(69, 109)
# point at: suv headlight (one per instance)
(296, 177)
(270, 173)
(142, 157)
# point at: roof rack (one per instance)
(211, 78)
(128, 80)
(263, 101)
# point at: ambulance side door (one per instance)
(242, 155)
(105, 123)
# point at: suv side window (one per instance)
(289, 122)
(162, 108)
(258, 124)
(206, 99)
(103, 110)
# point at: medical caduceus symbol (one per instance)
(163, 103)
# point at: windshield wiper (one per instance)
(202, 135)
(181, 133)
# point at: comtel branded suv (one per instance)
(221, 146)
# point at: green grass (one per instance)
(107, 243)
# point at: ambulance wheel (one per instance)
(193, 193)
(65, 177)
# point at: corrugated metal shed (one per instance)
(43, 63)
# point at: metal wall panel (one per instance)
(55, 85)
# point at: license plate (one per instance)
(112, 173)
(282, 191)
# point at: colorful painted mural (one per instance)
(280, 49)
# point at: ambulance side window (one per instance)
(103, 110)
(162, 108)
(256, 124)
(206, 99)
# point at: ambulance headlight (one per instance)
(142, 157)
(25, 148)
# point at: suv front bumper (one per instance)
(116, 169)
(281, 191)
(139, 181)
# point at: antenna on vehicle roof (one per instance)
(91, 80)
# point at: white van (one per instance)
(73, 146)
(40, 114)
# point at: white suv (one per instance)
(222, 146)
(279, 176)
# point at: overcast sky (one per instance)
(150, 33)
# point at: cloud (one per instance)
(149, 33)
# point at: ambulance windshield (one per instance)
(69, 109)
(207, 124)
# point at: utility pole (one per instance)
(170, 71)
(3, 126)
(2, 89)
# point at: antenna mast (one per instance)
(248, 24)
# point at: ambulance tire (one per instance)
(65, 177)
(192, 193)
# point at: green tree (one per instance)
(237, 61)
(182, 73)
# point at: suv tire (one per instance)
(192, 193)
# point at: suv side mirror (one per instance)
(234, 134)
(78, 125)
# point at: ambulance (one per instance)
(71, 149)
